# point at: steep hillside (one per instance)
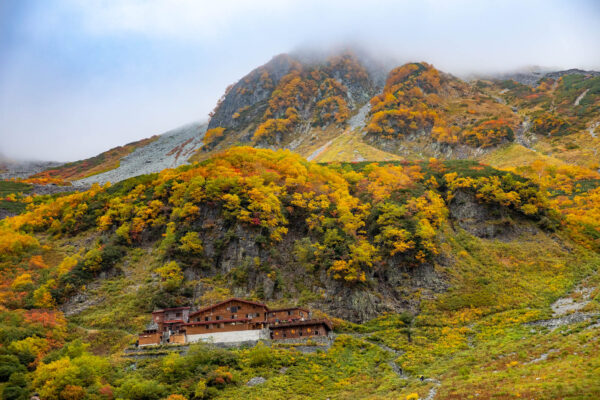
(169, 150)
(447, 269)
(96, 165)
(417, 112)
(292, 103)
(339, 110)
(12, 169)
(423, 111)
(560, 113)
(154, 154)
(344, 108)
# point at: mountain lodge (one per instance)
(232, 320)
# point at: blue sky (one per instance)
(80, 76)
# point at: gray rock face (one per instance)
(170, 150)
(250, 91)
(243, 105)
(482, 220)
(238, 252)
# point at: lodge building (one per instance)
(232, 320)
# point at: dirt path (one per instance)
(320, 150)
(433, 390)
(592, 129)
(581, 96)
(396, 368)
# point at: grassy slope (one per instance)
(472, 338)
(349, 147)
(7, 188)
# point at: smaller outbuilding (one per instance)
(300, 329)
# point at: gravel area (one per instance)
(170, 150)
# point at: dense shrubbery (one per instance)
(488, 133)
(356, 217)
(214, 136)
(360, 218)
(550, 125)
(415, 100)
(316, 88)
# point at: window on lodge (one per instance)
(234, 309)
(218, 318)
(207, 318)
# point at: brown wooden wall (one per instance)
(287, 314)
(292, 332)
(243, 310)
(149, 338)
(178, 338)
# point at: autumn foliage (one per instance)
(310, 94)
(416, 100)
(488, 133)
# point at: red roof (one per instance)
(282, 325)
(227, 301)
(218, 321)
(170, 309)
(288, 309)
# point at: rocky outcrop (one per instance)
(251, 91)
(313, 90)
(483, 220)
(239, 253)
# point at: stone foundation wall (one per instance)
(230, 337)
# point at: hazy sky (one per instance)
(80, 76)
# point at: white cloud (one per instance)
(185, 19)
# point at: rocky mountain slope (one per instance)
(11, 169)
(169, 150)
(416, 112)
(349, 108)
(481, 274)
